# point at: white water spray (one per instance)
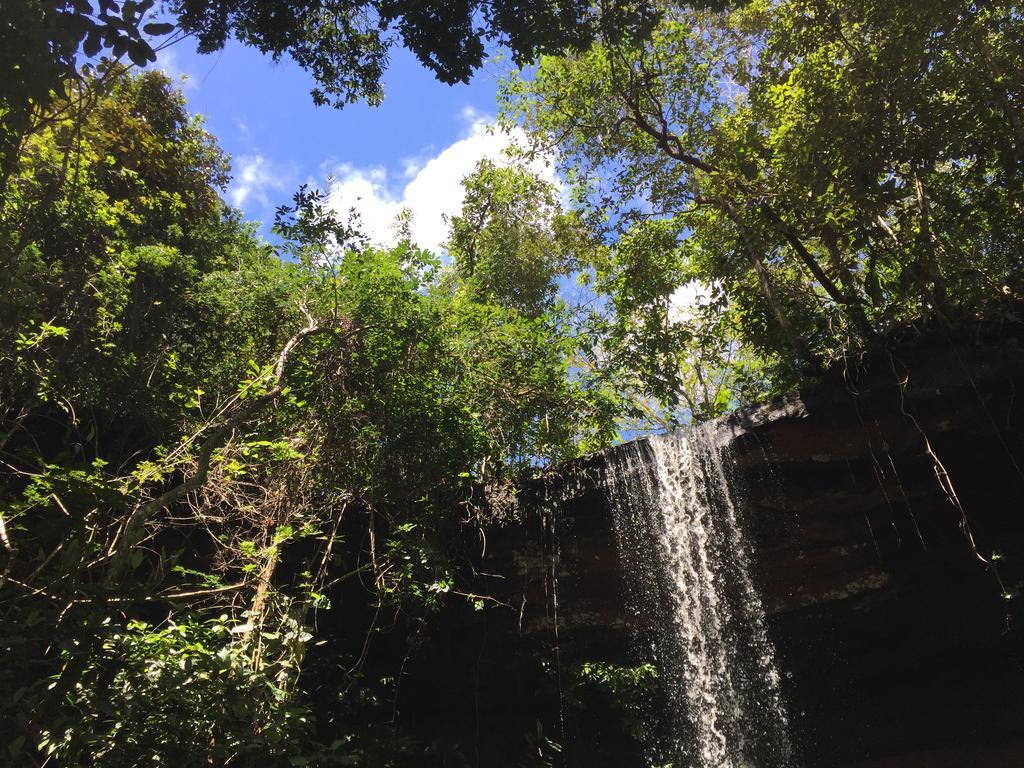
(688, 581)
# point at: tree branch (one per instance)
(131, 533)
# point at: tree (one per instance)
(512, 240)
(344, 44)
(205, 442)
(43, 41)
(514, 249)
(836, 168)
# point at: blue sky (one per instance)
(410, 151)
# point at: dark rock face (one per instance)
(900, 642)
(885, 509)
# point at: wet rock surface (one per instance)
(885, 510)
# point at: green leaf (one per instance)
(140, 52)
(158, 28)
(91, 46)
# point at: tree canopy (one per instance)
(344, 44)
(835, 169)
(208, 441)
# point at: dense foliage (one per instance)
(207, 443)
(201, 439)
(344, 44)
(825, 171)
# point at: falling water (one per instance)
(697, 611)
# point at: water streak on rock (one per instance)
(698, 614)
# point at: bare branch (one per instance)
(132, 530)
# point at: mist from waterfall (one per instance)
(697, 613)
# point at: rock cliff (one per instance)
(885, 508)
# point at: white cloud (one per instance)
(412, 165)
(364, 189)
(433, 190)
(254, 177)
(471, 116)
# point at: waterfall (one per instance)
(697, 612)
